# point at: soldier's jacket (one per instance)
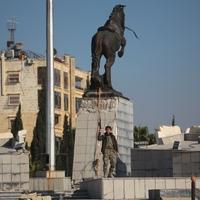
(103, 138)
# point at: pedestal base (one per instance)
(54, 181)
(114, 111)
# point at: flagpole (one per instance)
(50, 136)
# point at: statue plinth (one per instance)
(104, 93)
(114, 111)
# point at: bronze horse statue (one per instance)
(106, 42)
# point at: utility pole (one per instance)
(50, 142)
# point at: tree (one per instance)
(152, 139)
(38, 144)
(141, 134)
(17, 124)
(67, 148)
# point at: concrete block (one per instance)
(92, 125)
(107, 188)
(180, 183)
(7, 168)
(81, 141)
(160, 183)
(25, 186)
(6, 186)
(82, 124)
(50, 174)
(188, 183)
(24, 158)
(15, 168)
(67, 184)
(16, 178)
(197, 183)
(24, 177)
(90, 148)
(82, 117)
(129, 188)
(57, 184)
(170, 183)
(6, 178)
(78, 166)
(41, 184)
(81, 149)
(15, 159)
(17, 186)
(118, 189)
(6, 159)
(139, 188)
(149, 184)
(24, 168)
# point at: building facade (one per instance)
(21, 79)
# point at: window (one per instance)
(42, 74)
(65, 78)
(78, 83)
(13, 99)
(57, 77)
(56, 119)
(57, 99)
(10, 122)
(65, 102)
(78, 103)
(13, 78)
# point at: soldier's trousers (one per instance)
(109, 157)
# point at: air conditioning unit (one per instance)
(30, 61)
(10, 54)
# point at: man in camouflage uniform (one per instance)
(109, 150)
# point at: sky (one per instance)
(159, 72)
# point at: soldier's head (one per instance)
(108, 129)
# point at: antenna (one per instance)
(11, 25)
(173, 120)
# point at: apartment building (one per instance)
(21, 77)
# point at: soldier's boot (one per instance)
(106, 174)
(105, 171)
(111, 172)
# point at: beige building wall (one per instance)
(26, 89)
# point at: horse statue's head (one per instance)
(117, 16)
(115, 23)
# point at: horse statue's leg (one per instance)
(95, 66)
(96, 56)
(123, 44)
(107, 74)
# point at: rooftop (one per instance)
(183, 146)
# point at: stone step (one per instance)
(10, 195)
(80, 194)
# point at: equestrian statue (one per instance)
(108, 40)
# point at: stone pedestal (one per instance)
(50, 181)
(114, 111)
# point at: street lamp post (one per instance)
(50, 142)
